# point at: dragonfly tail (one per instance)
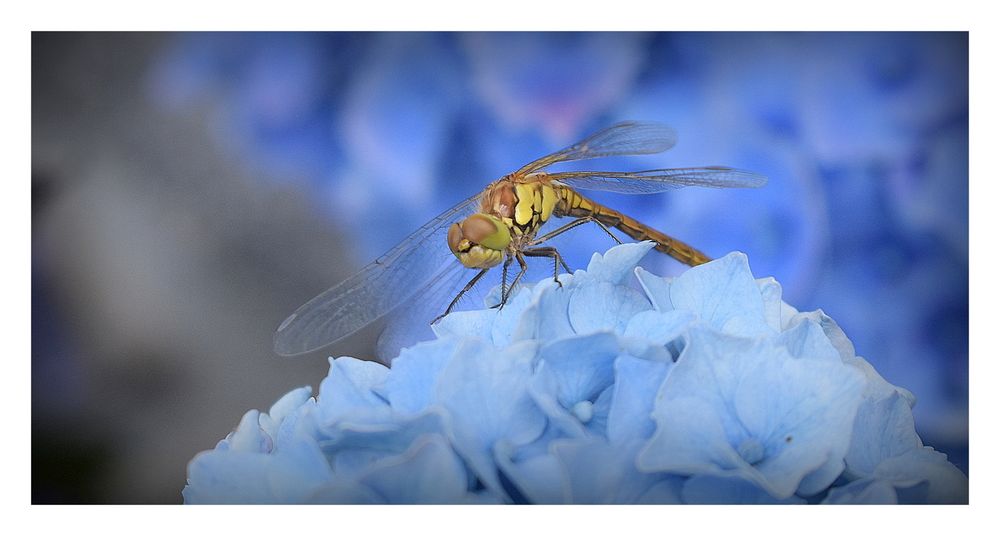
(576, 206)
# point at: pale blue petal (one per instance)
(787, 313)
(946, 484)
(286, 406)
(289, 475)
(598, 421)
(753, 409)
(838, 339)
(806, 339)
(599, 473)
(656, 288)
(820, 479)
(707, 489)
(429, 472)
(248, 436)
(604, 306)
(484, 392)
(689, 439)
(876, 387)
(617, 264)
(657, 327)
(300, 422)
(770, 293)
(570, 374)
(667, 490)
(547, 318)
(724, 294)
(348, 391)
(352, 447)
(409, 387)
(342, 492)
(537, 478)
(508, 317)
(867, 491)
(636, 383)
(477, 323)
(883, 429)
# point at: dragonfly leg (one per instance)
(503, 284)
(556, 258)
(575, 223)
(524, 267)
(468, 286)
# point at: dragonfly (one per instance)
(500, 226)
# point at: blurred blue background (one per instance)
(190, 190)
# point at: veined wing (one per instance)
(657, 180)
(376, 290)
(621, 139)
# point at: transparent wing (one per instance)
(657, 180)
(621, 139)
(376, 290)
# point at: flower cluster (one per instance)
(616, 386)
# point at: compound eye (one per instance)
(478, 228)
(455, 237)
(486, 231)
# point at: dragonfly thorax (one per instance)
(479, 241)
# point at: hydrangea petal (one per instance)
(410, 387)
(866, 491)
(806, 339)
(636, 384)
(286, 406)
(248, 436)
(883, 429)
(484, 392)
(724, 294)
(602, 306)
(351, 447)
(656, 288)
(507, 318)
(477, 323)
(613, 480)
(573, 370)
(750, 396)
(770, 294)
(709, 489)
(618, 263)
(946, 484)
(547, 318)
(838, 339)
(658, 327)
(239, 477)
(348, 391)
(538, 478)
(429, 472)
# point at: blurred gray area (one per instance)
(160, 270)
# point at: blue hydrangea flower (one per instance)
(616, 387)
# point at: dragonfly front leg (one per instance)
(468, 287)
(556, 258)
(503, 282)
(524, 267)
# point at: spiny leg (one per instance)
(468, 286)
(524, 267)
(575, 223)
(503, 285)
(556, 258)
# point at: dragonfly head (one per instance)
(479, 240)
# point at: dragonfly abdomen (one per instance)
(574, 205)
